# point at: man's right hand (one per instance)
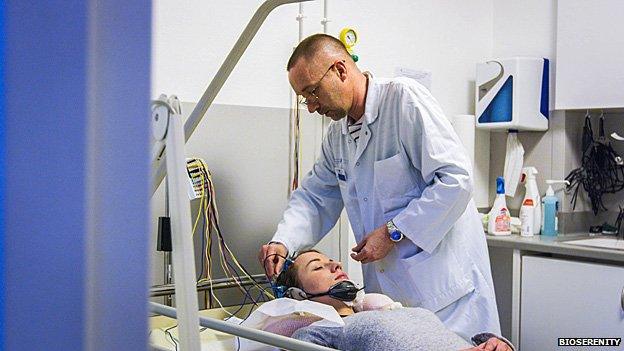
(275, 253)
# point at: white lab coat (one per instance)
(408, 166)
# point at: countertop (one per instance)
(556, 245)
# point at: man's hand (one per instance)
(493, 344)
(271, 256)
(375, 246)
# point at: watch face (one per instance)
(396, 235)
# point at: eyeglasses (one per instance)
(314, 98)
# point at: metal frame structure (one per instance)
(214, 284)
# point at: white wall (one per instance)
(191, 39)
(524, 28)
(445, 37)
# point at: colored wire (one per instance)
(601, 170)
(231, 267)
(168, 333)
(296, 115)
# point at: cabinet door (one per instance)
(569, 299)
(590, 63)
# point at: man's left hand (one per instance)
(375, 246)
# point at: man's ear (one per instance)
(341, 68)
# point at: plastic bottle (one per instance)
(550, 204)
(499, 222)
(530, 184)
(527, 220)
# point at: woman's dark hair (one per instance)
(288, 277)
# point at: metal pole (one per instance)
(181, 239)
(300, 18)
(245, 332)
(158, 348)
(159, 168)
(168, 278)
(324, 22)
(325, 19)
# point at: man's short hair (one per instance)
(313, 44)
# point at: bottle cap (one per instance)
(500, 185)
(550, 182)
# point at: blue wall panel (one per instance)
(119, 173)
(2, 172)
(46, 95)
(74, 174)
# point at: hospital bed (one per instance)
(216, 334)
(210, 339)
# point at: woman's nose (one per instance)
(336, 266)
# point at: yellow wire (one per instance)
(200, 207)
(209, 272)
(230, 251)
(208, 206)
(237, 262)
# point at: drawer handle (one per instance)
(622, 299)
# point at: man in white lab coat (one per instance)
(393, 160)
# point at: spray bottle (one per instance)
(500, 220)
(527, 211)
(550, 203)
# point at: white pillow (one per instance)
(284, 315)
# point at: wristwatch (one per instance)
(395, 233)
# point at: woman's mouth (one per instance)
(342, 276)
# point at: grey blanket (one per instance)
(400, 329)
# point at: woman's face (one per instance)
(317, 273)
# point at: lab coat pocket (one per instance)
(393, 182)
(436, 278)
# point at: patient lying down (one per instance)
(383, 326)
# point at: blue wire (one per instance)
(247, 291)
(240, 307)
(249, 314)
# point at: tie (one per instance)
(354, 130)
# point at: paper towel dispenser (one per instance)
(512, 93)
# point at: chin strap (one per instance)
(345, 291)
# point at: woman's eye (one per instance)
(318, 268)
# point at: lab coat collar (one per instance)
(371, 106)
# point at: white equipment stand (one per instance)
(168, 127)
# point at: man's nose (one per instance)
(313, 106)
